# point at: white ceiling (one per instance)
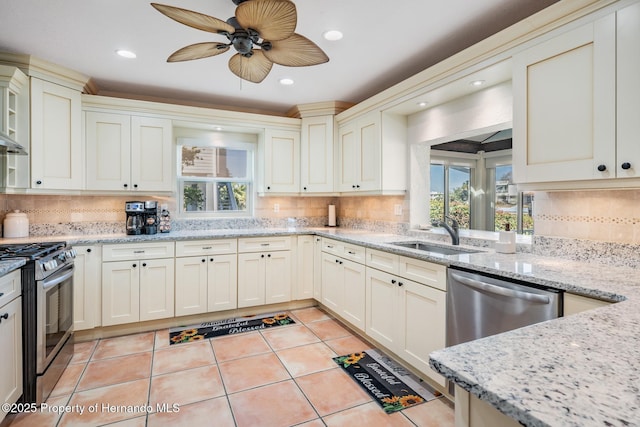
(384, 43)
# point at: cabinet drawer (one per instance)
(10, 286)
(332, 246)
(260, 244)
(136, 251)
(354, 253)
(384, 261)
(427, 273)
(206, 247)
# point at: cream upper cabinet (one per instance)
(57, 154)
(14, 121)
(129, 153)
(316, 161)
(281, 161)
(576, 98)
(371, 154)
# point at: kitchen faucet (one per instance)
(451, 229)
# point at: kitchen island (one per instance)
(579, 370)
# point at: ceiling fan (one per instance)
(262, 33)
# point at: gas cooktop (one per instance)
(31, 251)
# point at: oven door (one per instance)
(55, 315)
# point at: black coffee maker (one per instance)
(151, 219)
(135, 217)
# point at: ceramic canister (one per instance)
(16, 224)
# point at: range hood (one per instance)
(9, 146)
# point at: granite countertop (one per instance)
(580, 370)
(8, 266)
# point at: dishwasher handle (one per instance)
(495, 289)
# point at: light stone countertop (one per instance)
(8, 266)
(581, 370)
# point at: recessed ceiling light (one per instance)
(477, 83)
(286, 81)
(422, 103)
(332, 35)
(126, 53)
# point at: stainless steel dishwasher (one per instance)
(481, 305)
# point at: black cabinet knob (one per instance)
(400, 283)
(126, 185)
(38, 182)
(4, 316)
(89, 250)
(353, 186)
(358, 186)
(268, 188)
(262, 256)
(1, 294)
(135, 265)
(144, 264)
(211, 259)
(269, 256)
(393, 281)
(626, 165)
(602, 168)
(135, 185)
(204, 260)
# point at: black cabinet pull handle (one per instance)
(4, 316)
(602, 168)
(626, 165)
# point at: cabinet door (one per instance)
(222, 282)
(191, 285)
(151, 154)
(108, 141)
(628, 91)
(382, 308)
(347, 161)
(564, 106)
(87, 284)
(316, 161)
(368, 166)
(251, 270)
(120, 292)
(317, 268)
(353, 301)
(11, 344)
(421, 325)
(278, 278)
(332, 282)
(282, 162)
(157, 288)
(305, 272)
(57, 154)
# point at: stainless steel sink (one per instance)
(442, 250)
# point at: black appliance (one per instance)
(135, 217)
(47, 314)
(151, 219)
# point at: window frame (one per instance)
(219, 140)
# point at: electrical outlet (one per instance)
(397, 210)
(276, 207)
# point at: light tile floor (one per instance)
(278, 377)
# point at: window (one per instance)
(215, 179)
(450, 192)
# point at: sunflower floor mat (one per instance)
(232, 326)
(391, 385)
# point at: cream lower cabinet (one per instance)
(265, 271)
(10, 339)
(305, 271)
(87, 284)
(406, 316)
(140, 287)
(206, 276)
(343, 282)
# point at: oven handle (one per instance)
(57, 278)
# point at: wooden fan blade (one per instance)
(272, 19)
(296, 51)
(253, 69)
(198, 51)
(194, 19)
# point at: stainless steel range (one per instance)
(47, 313)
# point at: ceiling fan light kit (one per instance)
(262, 32)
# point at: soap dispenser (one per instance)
(506, 243)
